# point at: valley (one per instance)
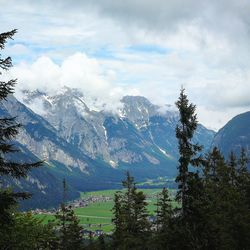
(97, 215)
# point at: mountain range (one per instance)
(93, 148)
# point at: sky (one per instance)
(108, 49)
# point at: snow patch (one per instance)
(164, 152)
(113, 164)
(121, 113)
(105, 133)
(37, 182)
(81, 108)
(47, 98)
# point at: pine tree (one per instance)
(117, 220)
(8, 130)
(232, 163)
(130, 217)
(243, 176)
(187, 150)
(128, 203)
(243, 161)
(225, 204)
(164, 215)
(189, 221)
(135, 215)
(70, 232)
(164, 210)
(141, 228)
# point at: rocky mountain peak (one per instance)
(139, 132)
(96, 146)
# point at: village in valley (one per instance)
(95, 225)
(81, 203)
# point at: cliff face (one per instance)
(137, 133)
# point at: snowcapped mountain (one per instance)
(112, 137)
(92, 147)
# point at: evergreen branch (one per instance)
(6, 88)
(9, 132)
(17, 170)
(6, 35)
(8, 148)
(6, 63)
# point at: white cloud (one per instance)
(216, 118)
(207, 44)
(77, 71)
(43, 74)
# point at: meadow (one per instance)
(98, 215)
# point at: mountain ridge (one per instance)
(91, 148)
(234, 135)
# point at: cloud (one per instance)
(159, 18)
(148, 47)
(76, 71)
(168, 15)
(231, 90)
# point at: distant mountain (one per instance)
(92, 148)
(138, 134)
(39, 140)
(234, 135)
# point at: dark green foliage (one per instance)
(131, 218)
(187, 150)
(214, 213)
(101, 243)
(69, 231)
(8, 131)
(227, 212)
(8, 126)
(118, 220)
(164, 210)
(164, 214)
(243, 177)
(27, 232)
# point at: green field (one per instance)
(99, 215)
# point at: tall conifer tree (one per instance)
(131, 217)
(8, 130)
(187, 149)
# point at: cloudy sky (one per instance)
(111, 48)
